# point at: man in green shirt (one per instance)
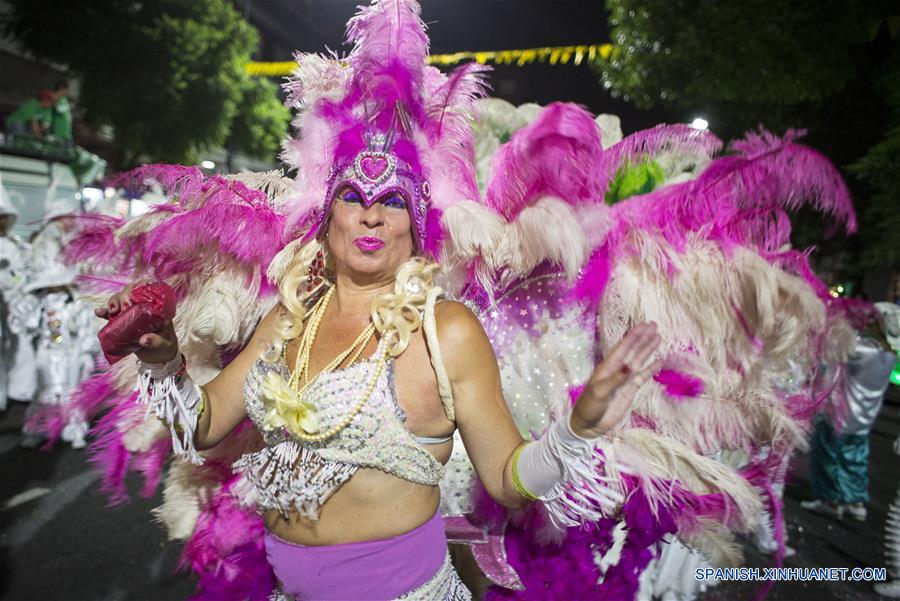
(61, 121)
(33, 116)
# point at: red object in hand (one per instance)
(152, 307)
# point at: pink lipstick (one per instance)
(368, 244)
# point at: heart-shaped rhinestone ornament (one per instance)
(374, 167)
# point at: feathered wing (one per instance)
(213, 242)
(704, 256)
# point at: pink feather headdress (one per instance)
(383, 121)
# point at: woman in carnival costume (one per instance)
(353, 424)
(316, 299)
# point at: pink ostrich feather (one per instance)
(653, 141)
(151, 463)
(175, 180)
(679, 385)
(387, 31)
(739, 200)
(107, 451)
(110, 260)
(92, 396)
(387, 63)
(50, 420)
(559, 154)
(234, 220)
(226, 550)
(95, 238)
(591, 284)
(458, 90)
(813, 180)
(210, 217)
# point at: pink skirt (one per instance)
(380, 569)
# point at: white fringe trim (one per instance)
(584, 494)
(174, 400)
(288, 477)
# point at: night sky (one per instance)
(470, 25)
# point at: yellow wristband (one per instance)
(201, 406)
(517, 482)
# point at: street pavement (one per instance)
(822, 542)
(59, 540)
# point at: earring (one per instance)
(315, 271)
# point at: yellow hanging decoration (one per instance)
(551, 54)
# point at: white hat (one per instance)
(6, 205)
(58, 208)
(55, 275)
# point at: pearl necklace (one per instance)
(301, 366)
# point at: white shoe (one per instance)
(826, 508)
(889, 589)
(32, 440)
(74, 433)
(789, 551)
(857, 511)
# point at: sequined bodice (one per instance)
(290, 474)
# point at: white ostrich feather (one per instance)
(548, 229)
(273, 183)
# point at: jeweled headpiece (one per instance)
(377, 173)
(384, 121)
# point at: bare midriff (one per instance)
(372, 505)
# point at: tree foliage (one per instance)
(879, 173)
(262, 121)
(168, 75)
(756, 51)
(821, 65)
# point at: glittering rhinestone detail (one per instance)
(445, 585)
(291, 475)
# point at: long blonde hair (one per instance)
(396, 315)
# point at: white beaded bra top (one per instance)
(290, 474)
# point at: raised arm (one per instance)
(509, 468)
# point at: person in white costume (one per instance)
(891, 314)
(16, 353)
(64, 323)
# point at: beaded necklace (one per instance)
(300, 380)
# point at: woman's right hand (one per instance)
(157, 347)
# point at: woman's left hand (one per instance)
(608, 394)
